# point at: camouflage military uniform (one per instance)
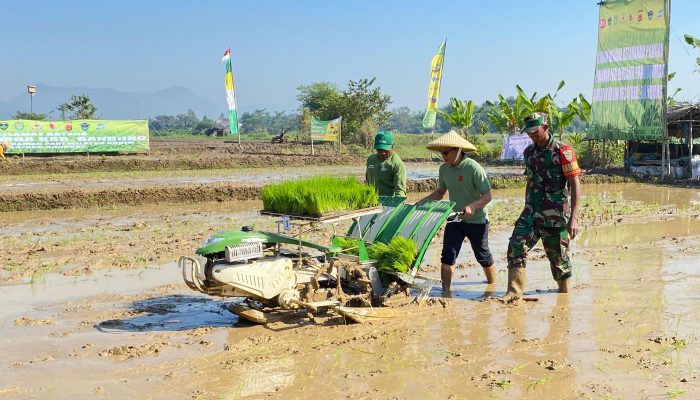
(547, 207)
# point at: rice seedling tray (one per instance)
(327, 217)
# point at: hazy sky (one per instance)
(147, 45)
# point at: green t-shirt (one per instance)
(389, 177)
(465, 183)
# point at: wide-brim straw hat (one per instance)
(450, 140)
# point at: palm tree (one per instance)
(461, 115)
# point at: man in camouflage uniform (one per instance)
(552, 179)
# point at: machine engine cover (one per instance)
(262, 279)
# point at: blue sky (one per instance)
(147, 45)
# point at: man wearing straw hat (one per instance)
(385, 170)
(469, 188)
(552, 178)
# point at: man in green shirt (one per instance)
(385, 170)
(469, 188)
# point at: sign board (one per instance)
(78, 136)
(514, 146)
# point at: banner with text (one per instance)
(325, 131)
(78, 136)
(514, 146)
(631, 71)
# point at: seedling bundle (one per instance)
(318, 196)
(397, 256)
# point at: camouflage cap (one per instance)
(533, 121)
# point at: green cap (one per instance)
(384, 140)
(533, 121)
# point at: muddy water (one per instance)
(629, 328)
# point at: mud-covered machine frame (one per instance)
(282, 271)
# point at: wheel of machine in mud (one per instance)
(247, 313)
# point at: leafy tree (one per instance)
(62, 108)
(203, 125)
(163, 123)
(357, 104)
(282, 121)
(360, 103)
(322, 99)
(403, 120)
(187, 121)
(31, 116)
(80, 106)
(460, 117)
(257, 121)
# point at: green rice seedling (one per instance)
(503, 383)
(348, 245)
(518, 367)
(537, 382)
(317, 196)
(398, 255)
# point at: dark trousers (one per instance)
(478, 235)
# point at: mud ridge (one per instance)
(193, 193)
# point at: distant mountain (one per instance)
(113, 104)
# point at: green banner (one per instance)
(630, 81)
(326, 131)
(77, 136)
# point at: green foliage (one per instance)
(31, 116)
(461, 115)
(317, 196)
(508, 114)
(263, 121)
(398, 255)
(695, 43)
(485, 150)
(359, 104)
(349, 245)
(80, 107)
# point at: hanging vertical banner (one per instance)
(230, 95)
(327, 131)
(434, 88)
(631, 74)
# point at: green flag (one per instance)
(629, 89)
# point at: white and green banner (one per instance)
(326, 131)
(631, 72)
(77, 136)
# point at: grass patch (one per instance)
(318, 196)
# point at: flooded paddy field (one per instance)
(94, 307)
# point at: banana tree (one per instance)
(461, 115)
(505, 116)
(559, 119)
(695, 43)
